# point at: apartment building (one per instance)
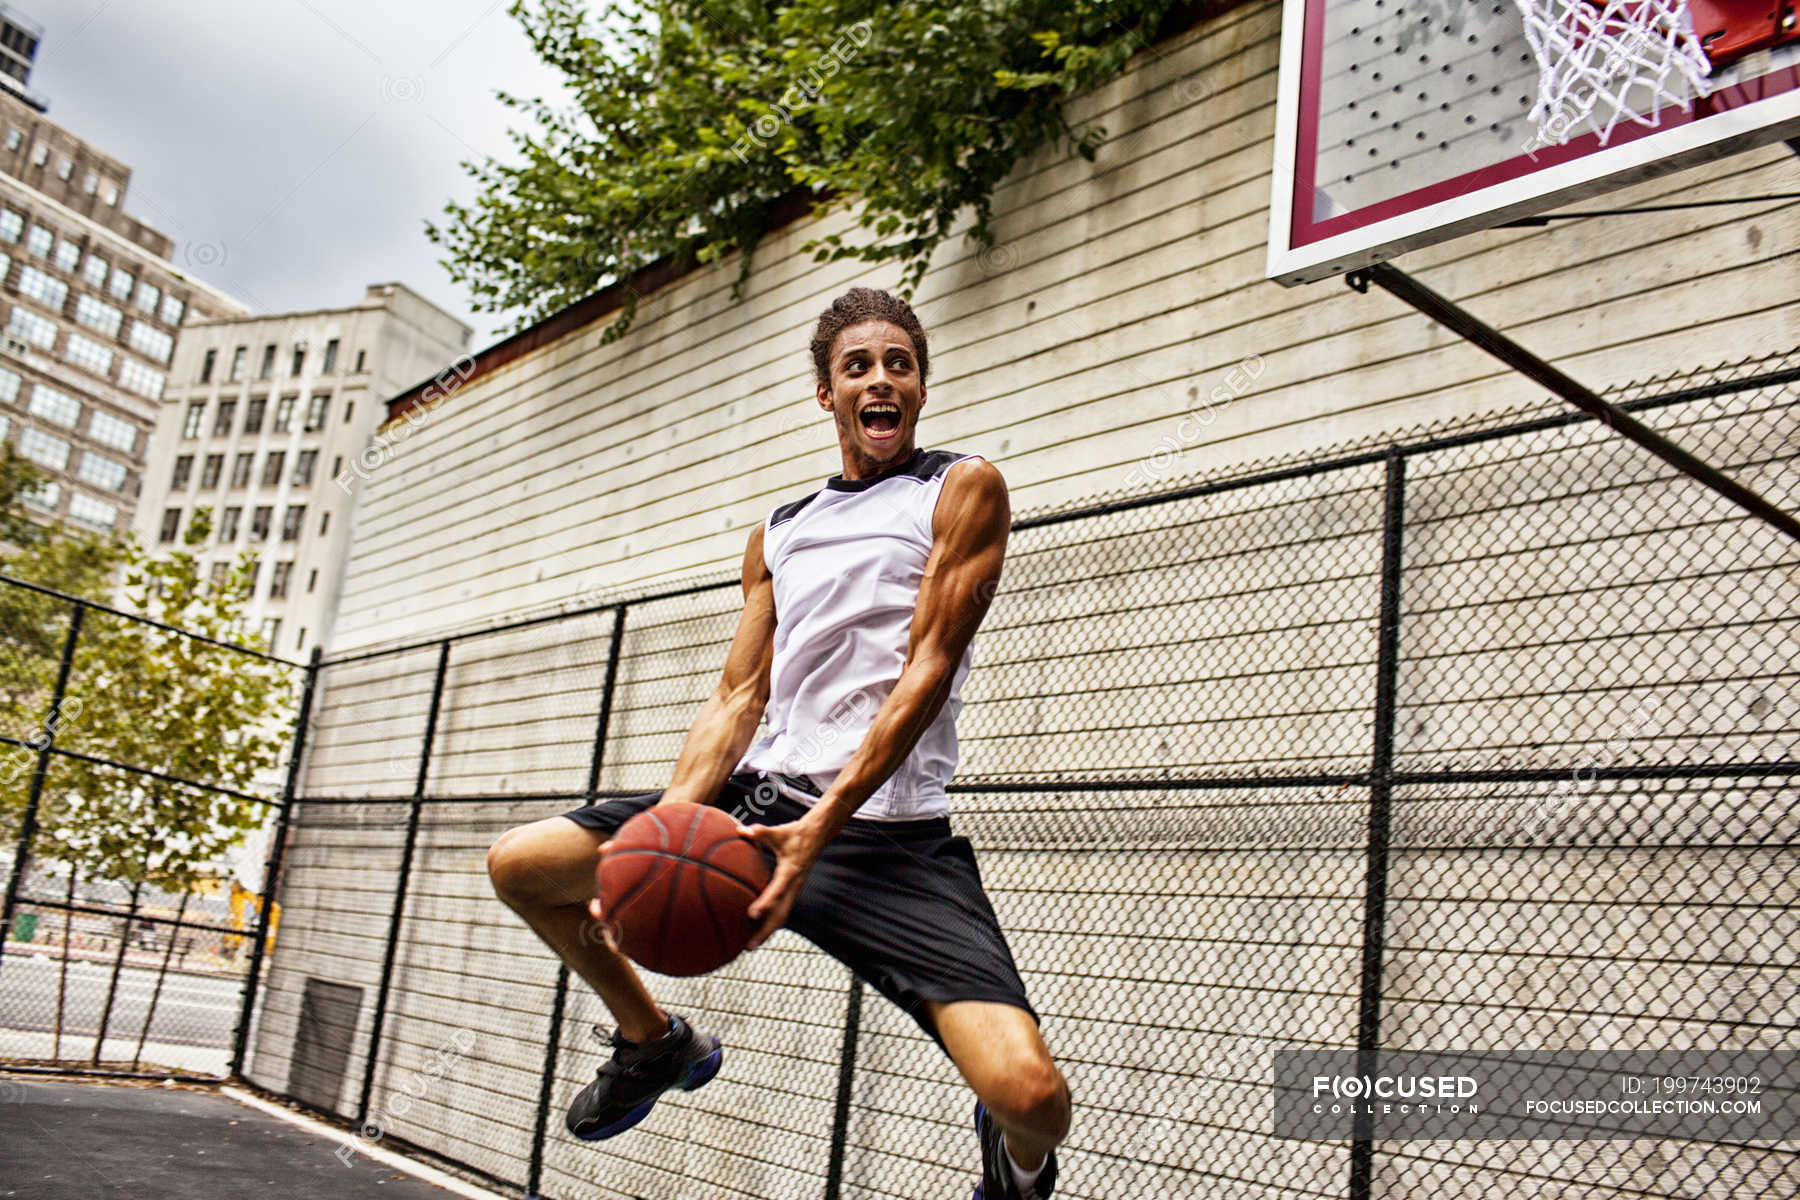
(93, 308)
(260, 417)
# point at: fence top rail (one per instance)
(56, 751)
(143, 620)
(1342, 462)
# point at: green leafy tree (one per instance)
(691, 121)
(137, 694)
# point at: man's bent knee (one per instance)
(545, 863)
(1034, 1096)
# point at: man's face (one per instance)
(874, 396)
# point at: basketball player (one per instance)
(861, 602)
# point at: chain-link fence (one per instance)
(1481, 741)
(125, 946)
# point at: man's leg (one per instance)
(544, 871)
(999, 1050)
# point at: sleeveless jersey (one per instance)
(846, 564)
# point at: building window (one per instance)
(267, 369)
(95, 514)
(11, 225)
(44, 449)
(91, 184)
(349, 407)
(304, 463)
(252, 568)
(324, 522)
(40, 154)
(94, 270)
(228, 523)
(119, 287)
(14, 138)
(148, 295)
(150, 341)
(292, 521)
(207, 364)
(39, 241)
(331, 349)
(337, 466)
(67, 257)
(240, 470)
(172, 310)
(134, 376)
(184, 467)
(284, 413)
(110, 194)
(39, 331)
(260, 520)
(102, 471)
(315, 412)
(237, 364)
(362, 356)
(271, 476)
(66, 169)
(271, 629)
(299, 362)
(312, 580)
(278, 580)
(45, 289)
(53, 405)
(221, 571)
(300, 644)
(214, 468)
(223, 419)
(253, 414)
(98, 315)
(109, 430)
(196, 416)
(45, 496)
(85, 352)
(171, 525)
(9, 385)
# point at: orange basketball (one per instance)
(676, 884)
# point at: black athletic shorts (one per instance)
(898, 902)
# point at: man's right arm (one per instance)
(727, 722)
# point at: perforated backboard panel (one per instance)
(1402, 123)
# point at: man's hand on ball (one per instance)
(796, 845)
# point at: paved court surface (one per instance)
(62, 1141)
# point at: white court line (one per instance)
(386, 1157)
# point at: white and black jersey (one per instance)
(846, 563)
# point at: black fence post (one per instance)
(240, 1037)
(840, 1117)
(1381, 782)
(553, 1044)
(406, 858)
(28, 824)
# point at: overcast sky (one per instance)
(292, 148)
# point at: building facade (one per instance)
(19, 38)
(259, 423)
(93, 309)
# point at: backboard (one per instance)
(1403, 123)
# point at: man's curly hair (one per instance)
(861, 304)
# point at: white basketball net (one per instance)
(1603, 60)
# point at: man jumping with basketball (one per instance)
(861, 603)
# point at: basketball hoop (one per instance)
(1600, 61)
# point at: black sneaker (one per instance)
(628, 1084)
(997, 1181)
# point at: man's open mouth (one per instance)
(880, 419)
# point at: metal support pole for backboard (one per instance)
(1405, 288)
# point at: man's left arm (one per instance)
(968, 543)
